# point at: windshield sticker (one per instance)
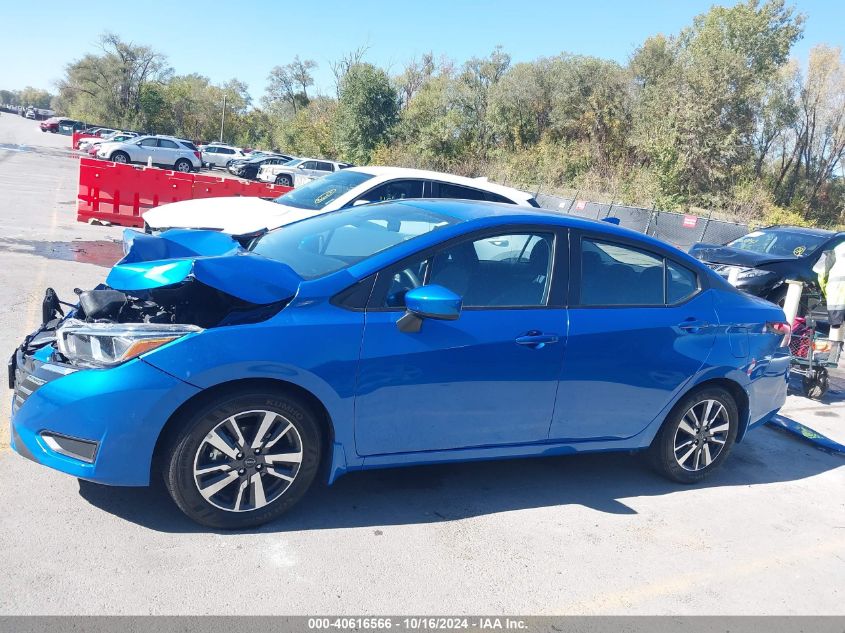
(799, 250)
(324, 196)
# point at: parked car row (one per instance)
(28, 112)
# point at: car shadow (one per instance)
(448, 492)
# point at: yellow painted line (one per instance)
(681, 584)
(33, 308)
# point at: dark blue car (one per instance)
(383, 335)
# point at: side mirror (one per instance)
(358, 203)
(429, 302)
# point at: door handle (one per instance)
(694, 326)
(536, 340)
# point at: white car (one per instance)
(299, 171)
(215, 155)
(166, 151)
(115, 137)
(344, 188)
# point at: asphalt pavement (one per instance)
(597, 534)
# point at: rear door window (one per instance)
(166, 144)
(617, 275)
(681, 283)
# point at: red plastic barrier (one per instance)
(78, 136)
(120, 194)
(216, 187)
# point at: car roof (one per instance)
(802, 230)
(477, 183)
(476, 211)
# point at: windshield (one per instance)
(318, 193)
(330, 242)
(294, 162)
(779, 243)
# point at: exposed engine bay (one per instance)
(166, 287)
(191, 303)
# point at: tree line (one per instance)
(717, 116)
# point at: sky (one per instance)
(246, 38)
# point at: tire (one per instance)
(674, 452)
(183, 165)
(208, 440)
(119, 157)
(817, 384)
(284, 180)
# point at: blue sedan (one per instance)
(409, 332)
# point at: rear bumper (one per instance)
(768, 387)
(121, 411)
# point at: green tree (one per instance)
(107, 88)
(288, 84)
(34, 97)
(368, 109)
(701, 91)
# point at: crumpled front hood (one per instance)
(215, 259)
(734, 256)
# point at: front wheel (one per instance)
(284, 180)
(120, 157)
(697, 435)
(183, 165)
(244, 459)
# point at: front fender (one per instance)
(314, 347)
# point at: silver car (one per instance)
(165, 151)
(220, 155)
(300, 171)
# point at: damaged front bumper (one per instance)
(96, 424)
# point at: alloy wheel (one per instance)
(248, 460)
(701, 435)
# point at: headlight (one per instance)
(109, 344)
(748, 273)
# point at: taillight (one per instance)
(197, 154)
(781, 329)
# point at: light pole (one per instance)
(222, 118)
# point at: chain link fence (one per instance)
(679, 229)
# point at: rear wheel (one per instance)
(284, 180)
(697, 435)
(243, 459)
(183, 165)
(119, 157)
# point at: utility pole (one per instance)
(222, 118)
